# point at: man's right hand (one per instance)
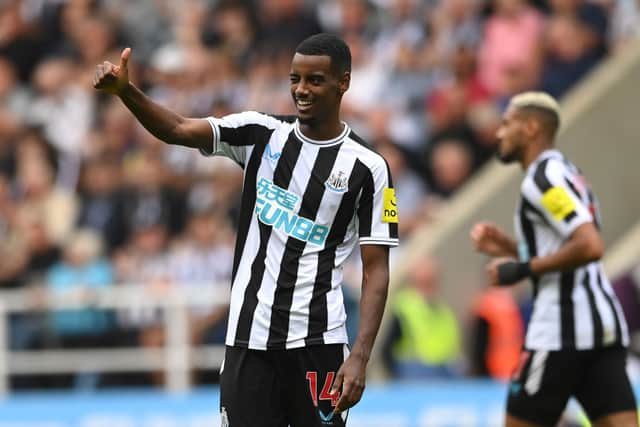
(113, 78)
(492, 240)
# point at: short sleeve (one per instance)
(220, 148)
(548, 190)
(377, 210)
(234, 135)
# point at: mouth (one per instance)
(303, 105)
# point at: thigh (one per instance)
(542, 385)
(310, 374)
(250, 391)
(605, 388)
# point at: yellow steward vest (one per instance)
(429, 331)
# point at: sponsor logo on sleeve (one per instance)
(389, 209)
(558, 202)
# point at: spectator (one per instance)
(64, 110)
(282, 24)
(101, 200)
(15, 101)
(575, 44)
(625, 23)
(82, 270)
(497, 334)
(144, 262)
(148, 197)
(451, 164)
(55, 206)
(509, 56)
(19, 40)
(424, 337)
(13, 250)
(203, 259)
(410, 187)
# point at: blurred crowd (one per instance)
(88, 198)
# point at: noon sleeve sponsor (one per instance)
(383, 218)
(389, 206)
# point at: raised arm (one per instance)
(375, 283)
(163, 123)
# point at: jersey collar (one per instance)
(325, 142)
(548, 153)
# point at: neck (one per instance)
(535, 149)
(322, 131)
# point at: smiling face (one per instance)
(316, 89)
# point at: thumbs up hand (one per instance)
(113, 78)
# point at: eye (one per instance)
(294, 79)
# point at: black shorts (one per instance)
(280, 388)
(545, 380)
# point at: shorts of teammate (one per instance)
(280, 388)
(545, 381)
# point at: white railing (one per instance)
(177, 358)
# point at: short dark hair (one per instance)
(330, 45)
(540, 105)
(548, 119)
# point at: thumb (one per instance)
(124, 57)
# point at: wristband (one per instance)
(511, 272)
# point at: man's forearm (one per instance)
(572, 254)
(374, 296)
(158, 120)
(510, 246)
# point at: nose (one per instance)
(301, 88)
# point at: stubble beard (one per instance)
(510, 157)
(507, 158)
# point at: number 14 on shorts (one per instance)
(312, 377)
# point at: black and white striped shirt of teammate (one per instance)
(575, 308)
(312, 190)
(576, 339)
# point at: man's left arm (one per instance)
(375, 283)
(585, 245)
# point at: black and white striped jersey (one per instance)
(575, 309)
(305, 204)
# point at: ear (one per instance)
(344, 82)
(532, 126)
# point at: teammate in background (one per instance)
(312, 190)
(577, 336)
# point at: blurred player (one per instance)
(312, 190)
(577, 336)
